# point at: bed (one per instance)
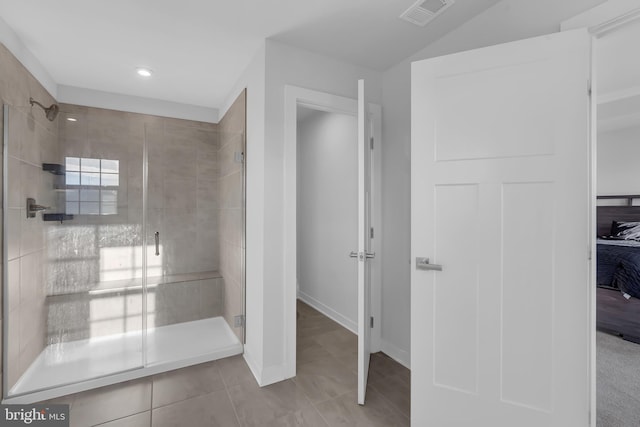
(618, 266)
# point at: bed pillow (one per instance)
(625, 230)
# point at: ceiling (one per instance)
(199, 48)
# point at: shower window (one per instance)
(91, 186)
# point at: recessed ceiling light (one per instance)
(72, 119)
(144, 72)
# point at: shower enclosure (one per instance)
(123, 248)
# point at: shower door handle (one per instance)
(157, 236)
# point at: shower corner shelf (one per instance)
(57, 217)
(54, 168)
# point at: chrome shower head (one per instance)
(51, 112)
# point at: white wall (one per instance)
(618, 154)
(136, 104)
(10, 39)
(507, 21)
(287, 65)
(274, 67)
(253, 79)
(327, 214)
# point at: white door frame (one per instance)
(295, 96)
(600, 20)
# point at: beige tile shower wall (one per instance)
(167, 304)
(96, 248)
(232, 131)
(99, 250)
(91, 249)
(33, 140)
(183, 179)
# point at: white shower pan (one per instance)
(76, 366)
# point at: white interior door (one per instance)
(501, 201)
(364, 243)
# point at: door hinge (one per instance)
(371, 322)
(371, 233)
(238, 157)
(238, 321)
(371, 140)
(589, 88)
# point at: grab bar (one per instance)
(157, 236)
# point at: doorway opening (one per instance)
(322, 138)
(327, 231)
(327, 213)
(321, 201)
(617, 226)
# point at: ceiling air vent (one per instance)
(423, 11)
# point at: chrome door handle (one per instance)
(424, 264)
(157, 236)
(370, 254)
(353, 254)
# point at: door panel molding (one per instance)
(530, 367)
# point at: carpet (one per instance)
(618, 382)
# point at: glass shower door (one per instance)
(74, 265)
(185, 289)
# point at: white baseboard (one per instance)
(272, 375)
(267, 376)
(253, 367)
(329, 312)
(396, 353)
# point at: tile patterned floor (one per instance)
(224, 393)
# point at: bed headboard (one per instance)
(607, 214)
